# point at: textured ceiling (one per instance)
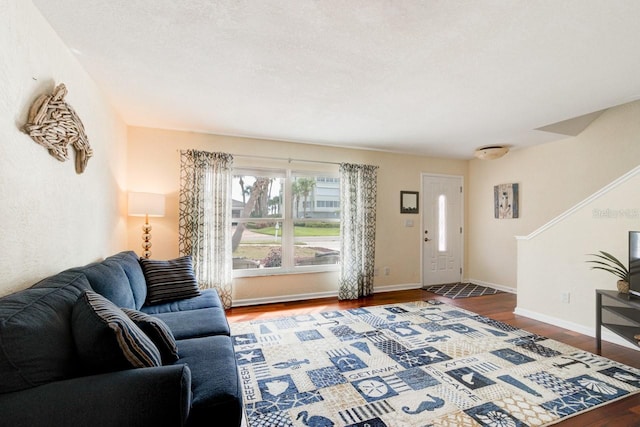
(439, 78)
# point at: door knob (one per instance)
(426, 239)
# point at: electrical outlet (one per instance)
(565, 297)
(387, 271)
(376, 271)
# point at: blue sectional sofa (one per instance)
(45, 379)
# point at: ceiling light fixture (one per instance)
(491, 153)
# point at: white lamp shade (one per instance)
(141, 204)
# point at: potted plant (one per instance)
(607, 262)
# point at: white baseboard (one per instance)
(399, 287)
(606, 334)
(493, 285)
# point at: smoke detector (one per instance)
(491, 153)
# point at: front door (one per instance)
(442, 229)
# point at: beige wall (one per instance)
(53, 218)
(154, 167)
(553, 177)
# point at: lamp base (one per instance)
(146, 240)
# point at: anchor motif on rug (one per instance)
(427, 405)
(314, 420)
(571, 362)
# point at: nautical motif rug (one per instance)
(460, 290)
(416, 364)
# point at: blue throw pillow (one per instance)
(169, 280)
(159, 333)
(106, 339)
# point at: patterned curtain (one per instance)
(358, 229)
(204, 230)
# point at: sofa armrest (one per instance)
(136, 397)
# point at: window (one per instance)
(442, 223)
(284, 221)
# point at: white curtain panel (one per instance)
(358, 187)
(204, 230)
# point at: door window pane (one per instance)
(442, 223)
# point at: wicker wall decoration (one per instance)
(54, 124)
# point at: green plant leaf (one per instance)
(613, 260)
(606, 262)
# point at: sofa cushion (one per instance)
(109, 279)
(196, 323)
(36, 344)
(215, 383)
(169, 280)
(131, 266)
(158, 332)
(208, 298)
(106, 339)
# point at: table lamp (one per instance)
(146, 205)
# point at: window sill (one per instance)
(259, 272)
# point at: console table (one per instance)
(623, 315)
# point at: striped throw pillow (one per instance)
(159, 333)
(106, 339)
(169, 280)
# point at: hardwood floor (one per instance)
(623, 413)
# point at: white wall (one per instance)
(553, 177)
(51, 217)
(154, 167)
(552, 260)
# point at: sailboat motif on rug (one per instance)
(416, 364)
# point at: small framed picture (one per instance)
(505, 201)
(409, 202)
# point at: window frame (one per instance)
(287, 219)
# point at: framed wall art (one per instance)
(409, 202)
(505, 201)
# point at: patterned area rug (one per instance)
(461, 290)
(416, 364)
